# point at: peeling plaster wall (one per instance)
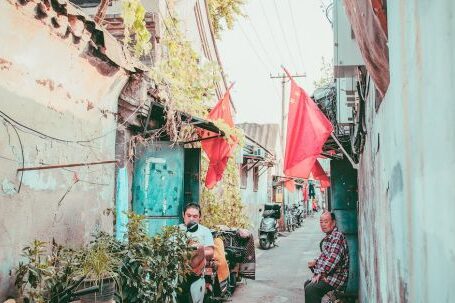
(52, 85)
(406, 191)
(253, 201)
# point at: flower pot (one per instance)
(104, 295)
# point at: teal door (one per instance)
(158, 185)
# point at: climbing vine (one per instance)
(326, 78)
(137, 36)
(185, 82)
(223, 205)
(223, 13)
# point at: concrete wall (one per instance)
(52, 85)
(254, 201)
(406, 191)
(294, 197)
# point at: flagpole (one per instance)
(354, 165)
(284, 78)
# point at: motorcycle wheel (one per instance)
(232, 282)
(263, 243)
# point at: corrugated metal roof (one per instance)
(265, 134)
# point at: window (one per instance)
(243, 173)
(255, 178)
(277, 194)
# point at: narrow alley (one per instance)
(281, 271)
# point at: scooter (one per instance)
(237, 246)
(298, 216)
(268, 231)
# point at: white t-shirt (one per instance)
(202, 235)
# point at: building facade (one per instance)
(58, 130)
(404, 110)
(68, 155)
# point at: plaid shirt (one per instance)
(333, 263)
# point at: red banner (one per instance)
(218, 150)
(307, 130)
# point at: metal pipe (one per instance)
(65, 165)
(354, 165)
(202, 139)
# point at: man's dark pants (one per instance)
(315, 291)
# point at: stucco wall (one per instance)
(253, 201)
(52, 85)
(406, 187)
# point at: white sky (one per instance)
(256, 48)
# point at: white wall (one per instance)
(406, 190)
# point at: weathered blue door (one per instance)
(158, 185)
(343, 203)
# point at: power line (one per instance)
(295, 32)
(253, 48)
(274, 39)
(283, 33)
(264, 49)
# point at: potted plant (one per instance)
(153, 267)
(32, 273)
(98, 263)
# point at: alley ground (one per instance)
(281, 271)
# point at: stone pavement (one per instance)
(281, 271)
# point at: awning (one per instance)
(157, 111)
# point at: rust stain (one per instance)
(47, 83)
(90, 105)
(5, 64)
(403, 291)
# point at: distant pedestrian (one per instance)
(331, 268)
(314, 206)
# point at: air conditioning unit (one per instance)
(346, 60)
(347, 100)
(259, 152)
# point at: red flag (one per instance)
(218, 150)
(319, 174)
(307, 130)
(290, 185)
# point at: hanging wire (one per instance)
(274, 39)
(22, 152)
(264, 49)
(43, 135)
(296, 35)
(283, 32)
(253, 48)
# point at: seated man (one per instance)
(202, 240)
(331, 268)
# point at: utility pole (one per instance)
(284, 79)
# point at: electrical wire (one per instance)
(43, 135)
(22, 152)
(253, 48)
(258, 38)
(296, 35)
(283, 32)
(274, 39)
